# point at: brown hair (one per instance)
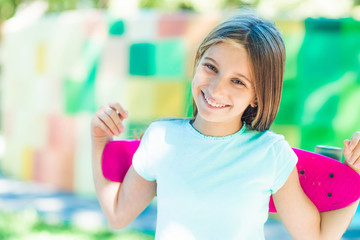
(266, 52)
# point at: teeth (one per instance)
(213, 103)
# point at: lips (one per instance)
(211, 102)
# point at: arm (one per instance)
(299, 214)
(301, 217)
(120, 202)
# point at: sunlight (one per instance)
(89, 220)
(49, 204)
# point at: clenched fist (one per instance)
(107, 122)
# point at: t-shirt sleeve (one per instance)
(286, 160)
(142, 159)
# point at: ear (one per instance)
(253, 103)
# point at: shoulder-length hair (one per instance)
(266, 51)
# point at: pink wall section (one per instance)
(172, 25)
(54, 164)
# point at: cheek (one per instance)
(194, 87)
(200, 78)
(196, 81)
(243, 97)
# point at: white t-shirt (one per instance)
(212, 187)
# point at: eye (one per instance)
(237, 81)
(211, 67)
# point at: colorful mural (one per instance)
(59, 70)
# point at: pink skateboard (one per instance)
(328, 183)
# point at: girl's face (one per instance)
(222, 88)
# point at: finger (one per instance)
(355, 139)
(120, 110)
(347, 151)
(346, 145)
(119, 115)
(109, 124)
(99, 123)
(355, 154)
(115, 118)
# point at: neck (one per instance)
(216, 129)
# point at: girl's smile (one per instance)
(222, 89)
(212, 103)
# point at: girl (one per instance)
(213, 174)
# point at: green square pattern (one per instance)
(117, 28)
(142, 59)
(79, 97)
(165, 58)
(170, 58)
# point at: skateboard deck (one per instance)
(329, 183)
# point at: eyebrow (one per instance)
(238, 74)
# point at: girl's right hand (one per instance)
(107, 122)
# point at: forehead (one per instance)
(231, 56)
(228, 45)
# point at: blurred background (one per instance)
(62, 59)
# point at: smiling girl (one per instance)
(213, 174)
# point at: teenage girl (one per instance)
(214, 174)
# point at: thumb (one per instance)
(346, 145)
(347, 151)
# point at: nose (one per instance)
(218, 87)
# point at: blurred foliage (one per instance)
(9, 7)
(28, 225)
(240, 3)
(151, 3)
(61, 5)
(189, 4)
